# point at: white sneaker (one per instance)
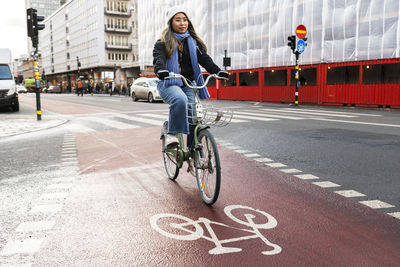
(171, 139)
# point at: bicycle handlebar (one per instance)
(179, 76)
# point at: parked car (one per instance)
(145, 88)
(53, 89)
(21, 89)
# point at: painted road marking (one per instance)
(360, 122)
(113, 123)
(143, 120)
(350, 193)
(51, 196)
(195, 230)
(60, 186)
(263, 160)
(290, 170)
(252, 155)
(233, 147)
(276, 165)
(50, 208)
(326, 184)
(269, 115)
(35, 226)
(376, 204)
(337, 112)
(242, 151)
(29, 246)
(395, 214)
(306, 176)
(253, 118)
(314, 112)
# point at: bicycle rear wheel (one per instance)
(207, 167)
(170, 159)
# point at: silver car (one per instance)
(145, 88)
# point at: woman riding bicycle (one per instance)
(180, 50)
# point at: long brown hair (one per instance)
(168, 37)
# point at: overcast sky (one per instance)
(13, 26)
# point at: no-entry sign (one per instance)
(301, 31)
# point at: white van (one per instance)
(8, 89)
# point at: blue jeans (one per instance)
(177, 98)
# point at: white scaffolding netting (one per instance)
(254, 32)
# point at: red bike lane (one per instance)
(122, 210)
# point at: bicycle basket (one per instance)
(208, 115)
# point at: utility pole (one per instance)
(33, 32)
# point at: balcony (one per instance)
(117, 13)
(118, 47)
(115, 30)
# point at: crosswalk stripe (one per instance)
(270, 115)
(253, 118)
(139, 119)
(337, 112)
(157, 116)
(315, 112)
(113, 123)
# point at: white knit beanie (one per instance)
(174, 10)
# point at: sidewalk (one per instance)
(21, 124)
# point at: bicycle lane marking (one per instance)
(219, 248)
(122, 184)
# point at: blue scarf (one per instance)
(173, 66)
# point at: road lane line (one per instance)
(28, 246)
(306, 176)
(269, 115)
(276, 165)
(336, 112)
(50, 208)
(395, 214)
(113, 123)
(35, 226)
(253, 118)
(350, 193)
(290, 170)
(252, 155)
(326, 184)
(262, 160)
(242, 151)
(359, 122)
(376, 204)
(315, 113)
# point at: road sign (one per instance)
(301, 31)
(301, 45)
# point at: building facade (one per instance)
(93, 40)
(353, 47)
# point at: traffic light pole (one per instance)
(37, 82)
(296, 94)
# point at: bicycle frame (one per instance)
(179, 153)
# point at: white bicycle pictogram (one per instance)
(181, 231)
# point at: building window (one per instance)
(306, 77)
(67, 55)
(275, 77)
(343, 75)
(381, 73)
(248, 78)
(231, 81)
(66, 30)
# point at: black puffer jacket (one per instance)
(160, 60)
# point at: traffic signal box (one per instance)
(292, 42)
(33, 26)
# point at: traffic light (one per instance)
(292, 42)
(33, 26)
(37, 27)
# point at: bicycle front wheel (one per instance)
(207, 167)
(170, 159)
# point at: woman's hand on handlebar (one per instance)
(223, 74)
(162, 74)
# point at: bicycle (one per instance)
(204, 151)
